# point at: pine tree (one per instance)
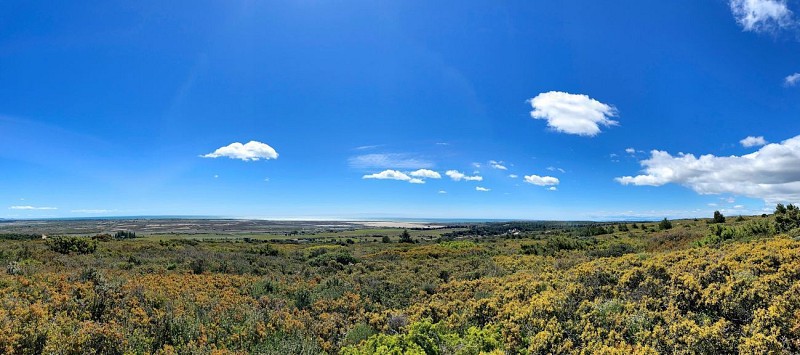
(405, 237)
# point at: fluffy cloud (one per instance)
(630, 150)
(425, 173)
(513, 176)
(541, 180)
(30, 208)
(552, 188)
(762, 15)
(772, 173)
(479, 188)
(497, 165)
(393, 175)
(388, 161)
(251, 151)
(792, 80)
(751, 141)
(458, 176)
(573, 114)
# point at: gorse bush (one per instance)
(698, 288)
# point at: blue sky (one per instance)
(596, 110)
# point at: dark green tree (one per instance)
(405, 237)
(787, 218)
(665, 224)
(718, 217)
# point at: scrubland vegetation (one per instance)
(687, 286)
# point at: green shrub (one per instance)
(69, 245)
(358, 333)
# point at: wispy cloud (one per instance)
(458, 176)
(751, 141)
(31, 208)
(553, 168)
(513, 176)
(251, 151)
(389, 161)
(483, 189)
(425, 173)
(497, 165)
(571, 113)
(791, 80)
(541, 180)
(393, 175)
(762, 15)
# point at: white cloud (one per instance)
(393, 175)
(425, 173)
(479, 188)
(738, 207)
(458, 176)
(388, 161)
(630, 150)
(573, 114)
(792, 80)
(553, 168)
(751, 141)
(513, 176)
(762, 15)
(552, 188)
(442, 191)
(541, 180)
(388, 175)
(772, 173)
(497, 165)
(216, 176)
(477, 165)
(31, 208)
(251, 151)
(712, 205)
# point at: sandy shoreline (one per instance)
(390, 224)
